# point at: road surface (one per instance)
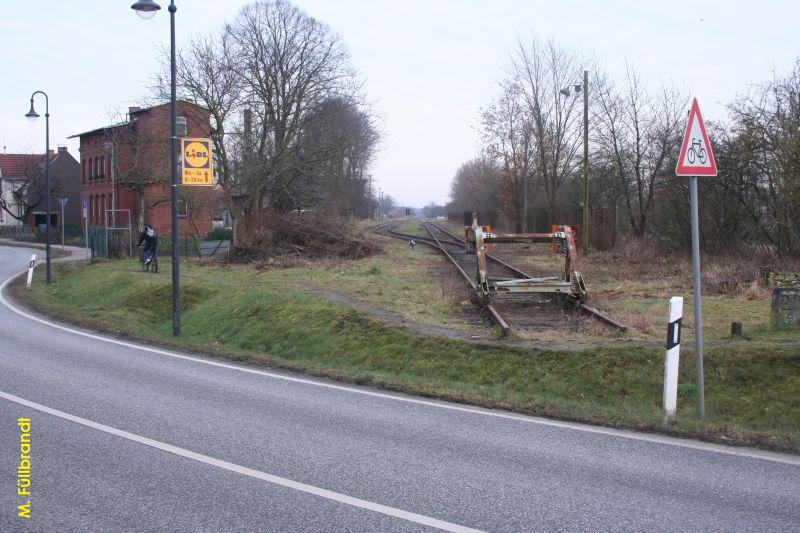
(132, 438)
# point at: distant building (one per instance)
(125, 168)
(22, 189)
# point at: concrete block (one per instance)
(785, 308)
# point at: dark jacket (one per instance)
(151, 241)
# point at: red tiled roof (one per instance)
(20, 165)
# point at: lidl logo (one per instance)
(197, 162)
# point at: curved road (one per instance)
(131, 438)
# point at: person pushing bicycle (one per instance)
(150, 239)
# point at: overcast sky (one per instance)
(429, 65)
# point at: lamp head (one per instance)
(146, 9)
(32, 114)
(565, 91)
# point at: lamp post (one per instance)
(369, 199)
(566, 92)
(147, 9)
(33, 115)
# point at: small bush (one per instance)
(219, 234)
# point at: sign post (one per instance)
(197, 168)
(696, 159)
(63, 202)
(84, 201)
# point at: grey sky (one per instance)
(429, 65)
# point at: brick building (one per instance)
(22, 189)
(126, 166)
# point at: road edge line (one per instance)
(245, 471)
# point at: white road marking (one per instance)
(749, 453)
(245, 471)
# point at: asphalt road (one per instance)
(132, 439)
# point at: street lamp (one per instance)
(566, 92)
(32, 115)
(147, 9)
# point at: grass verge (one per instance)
(753, 396)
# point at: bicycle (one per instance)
(699, 153)
(152, 255)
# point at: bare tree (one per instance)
(289, 125)
(508, 137)
(766, 177)
(291, 64)
(476, 187)
(540, 71)
(636, 133)
(27, 190)
(144, 155)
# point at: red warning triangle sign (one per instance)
(696, 157)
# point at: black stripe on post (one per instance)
(674, 334)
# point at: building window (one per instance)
(102, 166)
(183, 208)
(91, 210)
(83, 171)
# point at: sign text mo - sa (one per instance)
(197, 162)
(696, 157)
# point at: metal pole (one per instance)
(62, 222)
(585, 229)
(86, 232)
(176, 309)
(46, 171)
(525, 203)
(113, 188)
(698, 312)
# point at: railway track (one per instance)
(532, 312)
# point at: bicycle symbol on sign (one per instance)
(696, 152)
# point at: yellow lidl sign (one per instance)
(197, 161)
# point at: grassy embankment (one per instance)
(753, 395)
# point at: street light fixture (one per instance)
(32, 115)
(566, 92)
(147, 9)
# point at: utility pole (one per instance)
(369, 199)
(585, 229)
(524, 225)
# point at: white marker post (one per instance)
(672, 359)
(30, 270)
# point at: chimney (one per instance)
(62, 150)
(133, 109)
(52, 153)
(247, 119)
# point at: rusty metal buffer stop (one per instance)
(570, 283)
